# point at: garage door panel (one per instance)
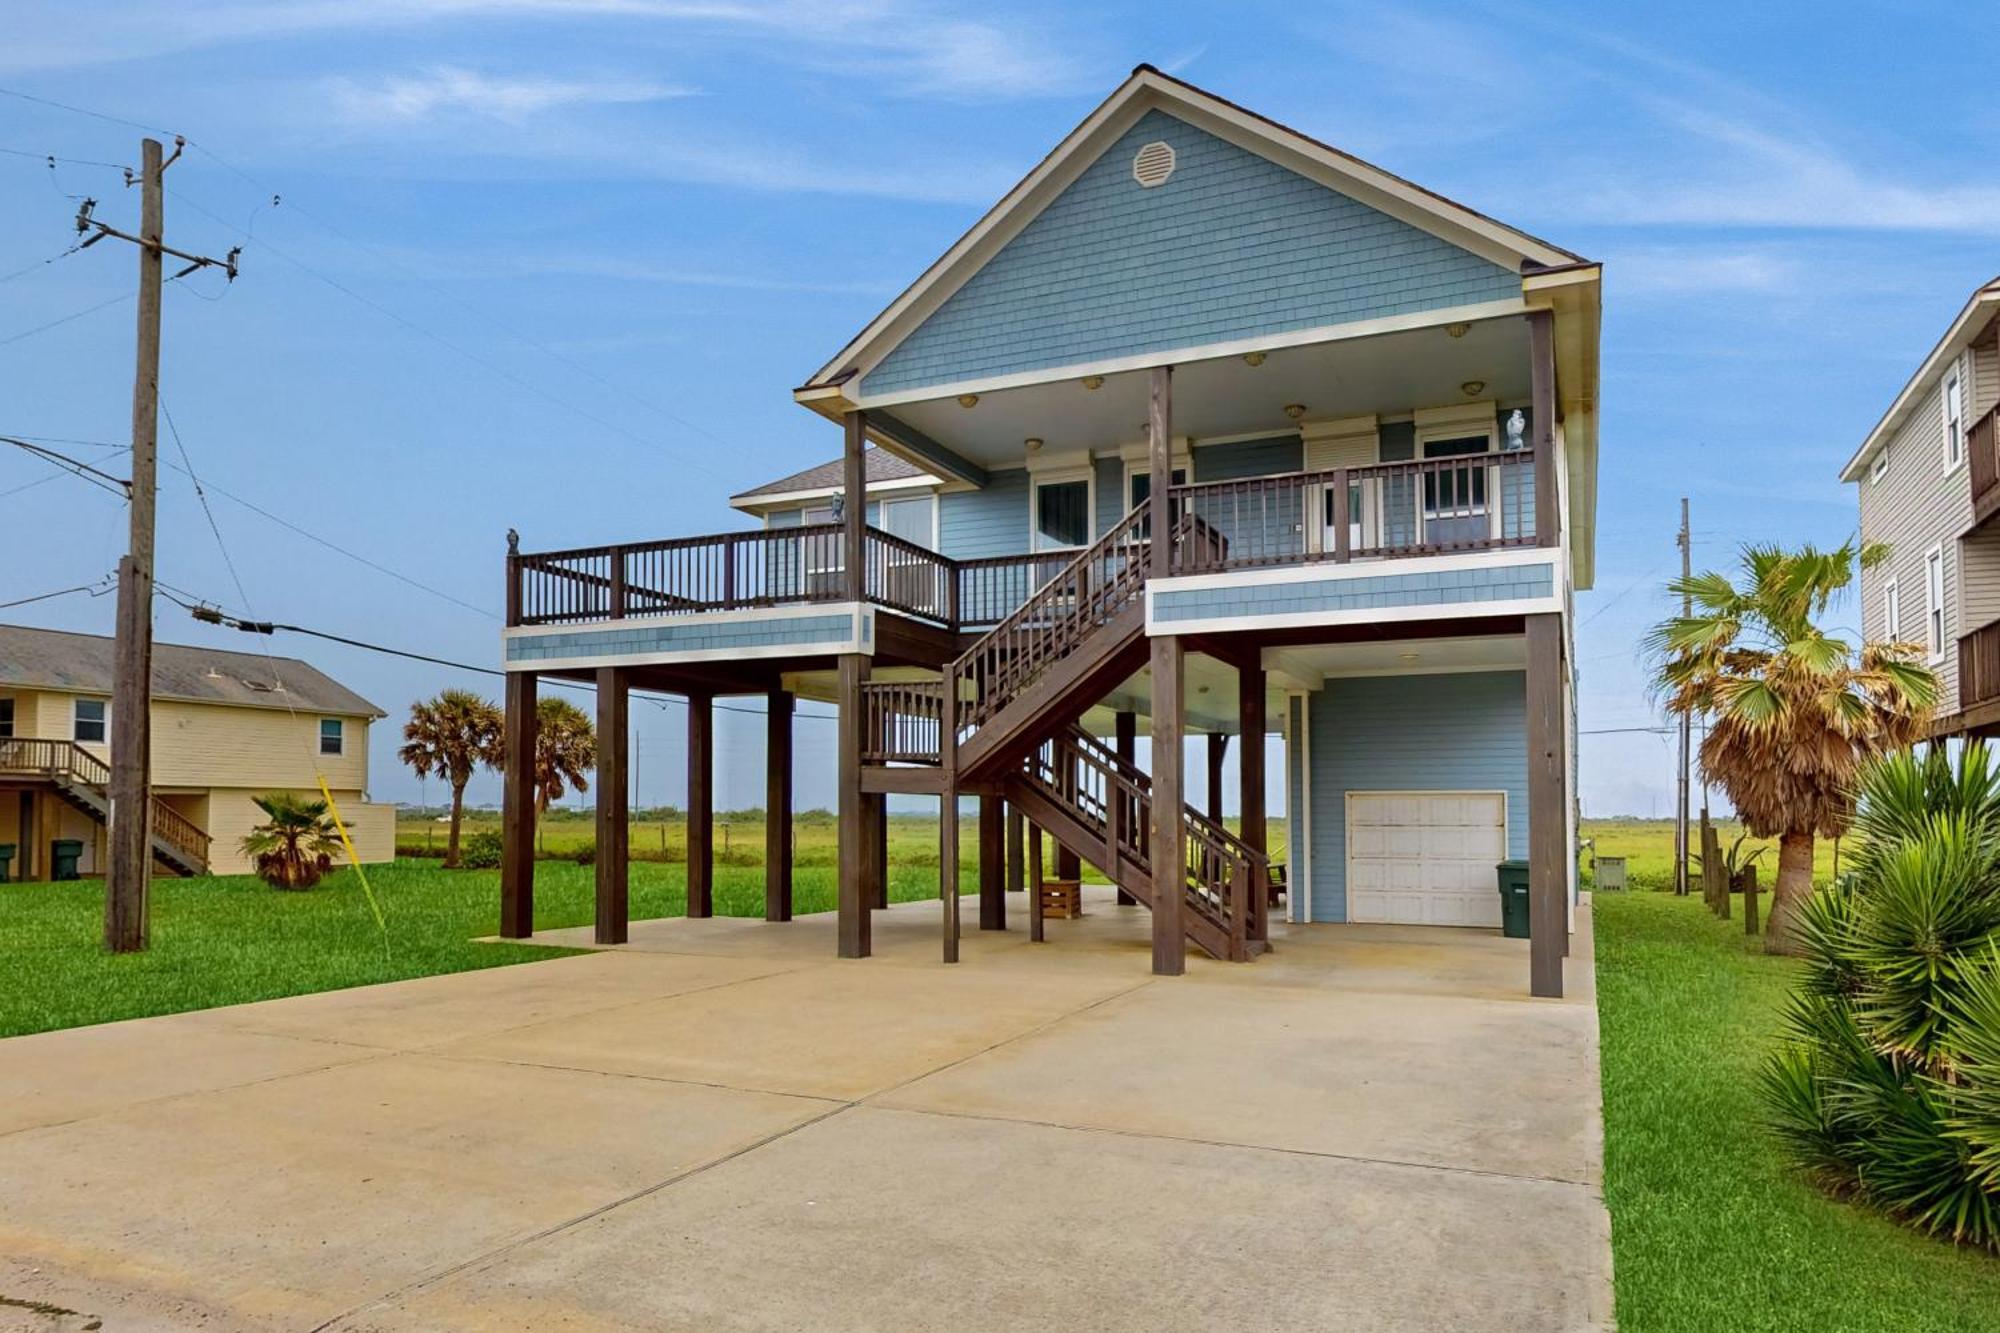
(1425, 858)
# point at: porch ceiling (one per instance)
(1226, 396)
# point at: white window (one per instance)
(332, 736)
(90, 720)
(1059, 516)
(1954, 420)
(913, 519)
(1934, 603)
(1892, 612)
(1880, 467)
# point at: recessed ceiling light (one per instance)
(1407, 657)
(1033, 444)
(1473, 388)
(1253, 358)
(1093, 381)
(1295, 410)
(1458, 330)
(968, 400)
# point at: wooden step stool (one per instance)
(1062, 898)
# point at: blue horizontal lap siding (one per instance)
(711, 636)
(1490, 583)
(1464, 732)
(973, 525)
(1231, 246)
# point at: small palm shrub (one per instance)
(295, 845)
(1887, 1086)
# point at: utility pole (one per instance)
(128, 878)
(1681, 782)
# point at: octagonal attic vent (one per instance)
(1153, 164)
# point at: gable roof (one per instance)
(48, 659)
(1963, 331)
(1145, 90)
(878, 465)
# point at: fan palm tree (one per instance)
(453, 735)
(565, 751)
(295, 844)
(1794, 713)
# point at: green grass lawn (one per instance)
(1709, 1230)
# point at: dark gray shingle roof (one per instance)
(61, 660)
(879, 464)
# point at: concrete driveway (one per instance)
(720, 1127)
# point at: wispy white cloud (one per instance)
(1669, 270)
(448, 89)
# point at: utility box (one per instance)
(1610, 872)
(1514, 899)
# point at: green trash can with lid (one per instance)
(1514, 899)
(64, 856)
(6, 861)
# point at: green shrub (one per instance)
(481, 851)
(1888, 1084)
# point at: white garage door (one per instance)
(1425, 857)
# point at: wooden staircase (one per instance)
(1005, 714)
(82, 781)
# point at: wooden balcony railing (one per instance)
(68, 763)
(1426, 507)
(1979, 667)
(1982, 451)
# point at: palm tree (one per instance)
(295, 844)
(565, 750)
(453, 735)
(1794, 713)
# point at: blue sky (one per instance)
(554, 264)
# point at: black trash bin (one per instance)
(1514, 899)
(64, 855)
(6, 861)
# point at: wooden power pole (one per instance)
(1681, 781)
(128, 878)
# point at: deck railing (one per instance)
(69, 763)
(1424, 507)
(900, 721)
(1982, 448)
(1979, 666)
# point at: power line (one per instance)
(118, 486)
(97, 589)
(53, 158)
(44, 328)
(83, 111)
(39, 264)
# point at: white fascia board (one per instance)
(1322, 570)
(1955, 340)
(757, 504)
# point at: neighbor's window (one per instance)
(6, 717)
(1062, 514)
(911, 519)
(1954, 421)
(1934, 604)
(1892, 612)
(89, 720)
(332, 736)
(1879, 468)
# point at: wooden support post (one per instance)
(875, 849)
(1343, 517)
(1548, 824)
(614, 830)
(1160, 456)
(1168, 845)
(778, 806)
(1251, 725)
(1017, 852)
(854, 505)
(855, 935)
(1127, 742)
(1542, 380)
(701, 805)
(1218, 755)
(1035, 883)
(517, 810)
(1750, 900)
(992, 864)
(948, 815)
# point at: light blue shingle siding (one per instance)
(1232, 246)
(1249, 458)
(626, 640)
(1465, 732)
(1490, 583)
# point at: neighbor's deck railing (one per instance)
(1982, 448)
(67, 762)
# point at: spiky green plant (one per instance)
(296, 843)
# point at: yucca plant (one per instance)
(295, 845)
(1888, 1082)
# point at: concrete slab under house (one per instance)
(1205, 430)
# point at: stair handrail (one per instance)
(69, 760)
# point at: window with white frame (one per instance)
(1934, 603)
(914, 519)
(1892, 612)
(1954, 419)
(1060, 515)
(1880, 467)
(332, 736)
(90, 721)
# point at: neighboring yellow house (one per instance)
(227, 727)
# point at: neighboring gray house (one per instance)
(1206, 427)
(1929, 481)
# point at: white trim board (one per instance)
(1385, 568)
(1359, 616)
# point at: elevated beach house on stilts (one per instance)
(1206, 427)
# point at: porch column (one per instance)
(1127, 743)
(1017, 852)
(854, 505)
(1548, 814)
(701, 806)
(875, 849)
(1542, 378)
(1251, 726)
(1035, 883)
(992, 864)
(614, 830)
(778, 806)
(1168, 846)
(855, 935)
(517, 810)
(1218, 754)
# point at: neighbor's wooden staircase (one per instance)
(83, 780)
(1016, 696)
